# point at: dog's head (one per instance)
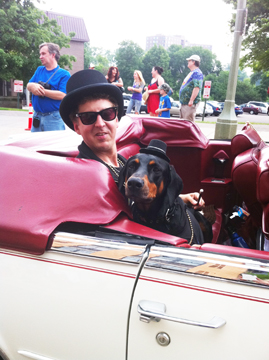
(148, 177)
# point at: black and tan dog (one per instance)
(154, 187)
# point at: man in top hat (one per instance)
(92, 108)
(190, 91)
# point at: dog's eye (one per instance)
(156, 169)
(132, 166)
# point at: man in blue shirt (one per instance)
(190, 91)
(48, 86)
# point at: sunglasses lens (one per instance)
(109, 114)
(89, 118)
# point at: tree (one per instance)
(179, 66)
(256, 42)
(22, 29)
(128, 59)
(156, 56)
(100, 58)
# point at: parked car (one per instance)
(264, 106)
(200, 109)
(175, 108)
(237, 109)
(215, 106)
(80, 280)
(251, 109)
(126, 100)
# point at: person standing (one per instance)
(154, 91)
(113, 77)
(136, 89)
(48, 86)
(165, 103)
(190, 91)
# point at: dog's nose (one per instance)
(135, 183)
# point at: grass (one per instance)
(12, 109)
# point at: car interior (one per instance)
(80, 196)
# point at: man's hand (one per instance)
(36, 89)
(192, 199)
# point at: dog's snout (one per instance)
(135, 183)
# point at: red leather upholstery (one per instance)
(263, 188)
(247, 146)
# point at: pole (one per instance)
(226, 125)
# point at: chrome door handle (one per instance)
(154, 311)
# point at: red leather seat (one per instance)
(246, 147)
(263, 191)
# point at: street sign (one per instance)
(18, 86)
(207, 89)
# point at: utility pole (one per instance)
(226, 124)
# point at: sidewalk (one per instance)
(14, 123)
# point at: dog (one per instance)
(153, 186)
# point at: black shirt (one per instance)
(86, 153)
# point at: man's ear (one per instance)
(76, 127)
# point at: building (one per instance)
(68, 24)
(72, 24)
(168, 40)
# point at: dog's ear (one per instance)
(174, 187)
(122, 176)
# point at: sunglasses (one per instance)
(89, 117)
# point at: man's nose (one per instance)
(100, 121)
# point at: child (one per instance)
(165, 103)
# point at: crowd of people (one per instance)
(48, 86)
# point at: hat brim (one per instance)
(72, 99)
(155, 152)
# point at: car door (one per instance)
(197, 305)
(70, 303)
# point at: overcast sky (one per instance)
(110, 22)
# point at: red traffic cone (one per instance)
(30, 117)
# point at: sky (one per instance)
(110, 22)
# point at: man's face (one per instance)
(45, 57)
(100, 136)
(190, 64)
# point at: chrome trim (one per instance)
(153, 311)
(31, 355)
(97, 247)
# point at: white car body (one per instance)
(263, 106)
(200, 109)
(77, 297)
(175, 108)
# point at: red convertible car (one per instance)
(81, 280)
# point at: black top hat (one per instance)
(84, 83)
(156, 147)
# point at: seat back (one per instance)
(263, 188)
(246, 147)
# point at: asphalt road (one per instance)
(14, 123)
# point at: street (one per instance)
(14, 123)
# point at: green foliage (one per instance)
(156, 56)
(179, 66)
(128, 58)
(20, 37)
(256, 41)
(245, 91)
(100, 58)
